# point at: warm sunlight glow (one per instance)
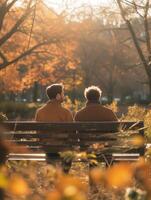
(59, 5)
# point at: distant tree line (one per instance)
(102, 46)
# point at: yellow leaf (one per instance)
(97, 175)
(18, 186)
(3, 181)
(119, 175)
(138, 141)
(54, 195)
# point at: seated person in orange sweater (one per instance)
(53, 111)
(94, 111)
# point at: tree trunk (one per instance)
(111, 83)
(35, 92)
(110, 94)
(12, 96)
(1, 194)
(142, 56)
(149, 88)
(148, 71)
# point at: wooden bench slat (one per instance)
(98, 136)
(125, 154)
(64, 140)
(28, 154)
(97, 139)
(34, 136)
(23, 158)
(43, 144)
(80, 126)
(125, 159)
(88, 137)
(46, 149)
(68, 136)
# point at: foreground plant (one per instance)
(3, 117)
(124, 176)
(68, 188)
(135, 194)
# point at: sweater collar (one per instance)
(89, 103)
(54, 102)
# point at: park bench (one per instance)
(105, 139)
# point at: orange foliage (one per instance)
(52, 62)
(138, 141)
(17, 186)
(119, 175)
(68, 187)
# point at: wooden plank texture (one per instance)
(67, 136)
(74, 126)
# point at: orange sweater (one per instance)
(95, 112)
(53, 112)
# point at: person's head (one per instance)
(92, 94)
(55, 92)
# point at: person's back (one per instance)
(94, 111)
(53, 111)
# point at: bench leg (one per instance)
(92, 164)
(1, 194)
(53, 159)
(95, 164)
(66, 165)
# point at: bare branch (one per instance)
(32, 26)
(4, 9)
(141, 55)
(136, 9)
(15, 27)
(27, 52)
(11, 4)
(3, 57)
(133, 4)
(146, 27)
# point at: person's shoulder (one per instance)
(40, 109)
(112, 116)
(79, 113)
(68, 114)
(81, 110)
(66, 110)
(39, 112)
(106, 108)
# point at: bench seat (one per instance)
(107, 138)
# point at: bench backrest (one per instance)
(67, 136)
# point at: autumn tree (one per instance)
(80, 47)
(104, 54)
(9, 29)
(17, 20)
(40, 50)
(136, 15)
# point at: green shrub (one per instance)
(138, 113)
(2, 117)
(18, 110)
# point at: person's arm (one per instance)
(37, 116)
(113, 117)
(70, 117)
(76, 117)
